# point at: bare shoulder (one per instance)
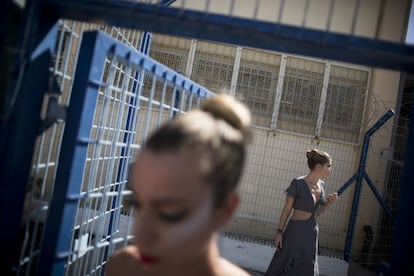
(125, 259)
(230, 269)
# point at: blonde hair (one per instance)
(316, 156)
(222, 127)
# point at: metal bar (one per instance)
(279, 92)
(346, 185)
(160, 112)
(322, 101)
(379, 198)
(176, 101)
(402, 252)
(381, 121)
(355, 201)
(243, 32)
(236, 69)
(190, 59)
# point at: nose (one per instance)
(144, 229)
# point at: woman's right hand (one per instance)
(278, 241)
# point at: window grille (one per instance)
(345, 102)
(257, 82)
(213, 66)
(304, 108)
(301, 95)
(170, 51)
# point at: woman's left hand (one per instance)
(332, 197)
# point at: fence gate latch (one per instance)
(52, 112)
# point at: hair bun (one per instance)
(225, 107)
(311, 153)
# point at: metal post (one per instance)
(21, 122)
(402, 250)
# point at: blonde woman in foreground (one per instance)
(183, 185)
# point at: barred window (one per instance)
(257, 86)
(257, 83)
(344, 103)
(213, 65)
(173, 53)
(170, 51)
(301, 95)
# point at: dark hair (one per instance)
(316, 156)
(222, 127)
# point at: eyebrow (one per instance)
(168, 201)
(164, 201)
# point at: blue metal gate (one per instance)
(119, 96)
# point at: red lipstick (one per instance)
(148, 259)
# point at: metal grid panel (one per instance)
(302, 88)
(170, 51)
(47, 148)
(213, 65)
(345, 103)
(109, 153)
(120, 111)
(257, 82)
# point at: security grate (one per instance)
(213, 65)
(257, 83)
(302, 88)
(345, 103)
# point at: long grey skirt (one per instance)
(298, 255)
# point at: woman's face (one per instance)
(326, 170)
(173, 209)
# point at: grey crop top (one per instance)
(303, 198)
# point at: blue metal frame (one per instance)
(240, 31)
(358, 177)
(96, 46)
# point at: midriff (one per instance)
(300, 215)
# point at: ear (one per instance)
(226, 210)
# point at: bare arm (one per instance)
(286, 211)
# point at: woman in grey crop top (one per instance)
(296, 252)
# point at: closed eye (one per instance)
(172, 217)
